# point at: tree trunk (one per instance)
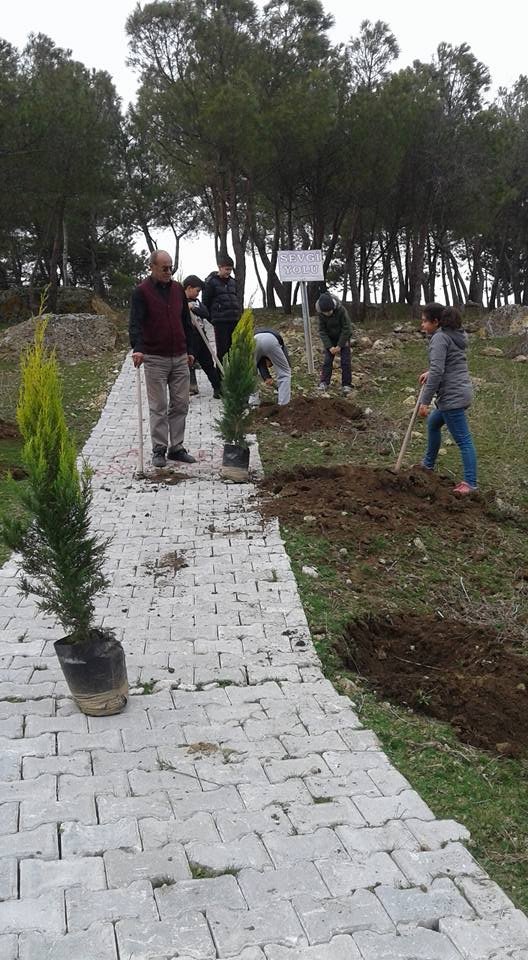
(65, 252)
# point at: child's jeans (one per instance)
(456, 423)
(346, 369)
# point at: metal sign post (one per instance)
(307, 327)
(302, 266)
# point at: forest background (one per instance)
(253, 125)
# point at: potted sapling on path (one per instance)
(238, 383)
(60, 559)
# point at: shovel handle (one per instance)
(407, 437)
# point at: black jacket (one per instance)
(221, 299)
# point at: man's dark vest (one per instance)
(163, 333)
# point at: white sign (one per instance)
(300, 265)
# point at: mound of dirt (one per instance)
(350, 502)
(8, 431)
(75, 336)
(509, 319)
(307, 414)
(459, 672)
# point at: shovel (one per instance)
(216, 361)
(140, 472)
(407, 437)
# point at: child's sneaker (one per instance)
(323, 387)
(346, 391)
(421, 466)
(464, 488)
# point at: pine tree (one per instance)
(238, 383)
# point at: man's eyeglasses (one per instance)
(165, 269)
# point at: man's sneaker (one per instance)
(158, 457)
(180, 454)
(346, 390)
(217, 394)
(464, 488)
(323, 387)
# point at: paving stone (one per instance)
(362, 870)
(115, 808)
(170, 735)
(213, 773)
(84, 907)
(45, 914)
(392, 836)
(40, 842)
(378, 810)
(339, 948)
(233, 930)
(278, 727)
(303, 746)
(419, 945)
(97, 943)
(436, 833)
(260, 886)
(235, 825)
(11, 727)
(485, 896)
(248, 851)
(322, 919)
(188, 936)
(77, 764)
(424, 908)
(71, 787)
(163, 865)
(280, 770)
(9, 948)
(199, 895)
(77, 723)
(105, 762)
(452, 860)
(9, 818)
(321, 844)
(39, 876)
(74, 742)
(307, 818)
(8, 879)
(476, 939)
(43, 788)
(143, 783)
(258, 796)
(33, 812)
(80, 840)
(157, 833)
(329, 788)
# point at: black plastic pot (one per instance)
(235, 463)
(95, 671)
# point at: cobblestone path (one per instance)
(236, 808)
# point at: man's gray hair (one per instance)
(153, 259)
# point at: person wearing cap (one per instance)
(270, 349)
(221, 299)
(161, 337)
(192, 286)
(335, 331)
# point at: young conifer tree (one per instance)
(60, 560)
(238, 383)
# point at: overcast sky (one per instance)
(95, 32)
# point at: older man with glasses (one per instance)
(161, 337)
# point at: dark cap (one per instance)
(192, 281)
(326, 303)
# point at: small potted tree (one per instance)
(238, 383)
(61, 560)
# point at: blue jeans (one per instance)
(456, 423)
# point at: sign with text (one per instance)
(294, 265)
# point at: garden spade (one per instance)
(197, 326)
(407, 437)
(140, 472)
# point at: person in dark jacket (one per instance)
(270, 349)
(192, 286)
(335, 330)
(161, 337)
(447, 378)
(220, 298)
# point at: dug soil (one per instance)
(458, 672)
(8, 431)
(354, 503)
(308, 414)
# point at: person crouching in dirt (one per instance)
(202, 353)
(335, 331)
(271, 349)
(447, 378)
